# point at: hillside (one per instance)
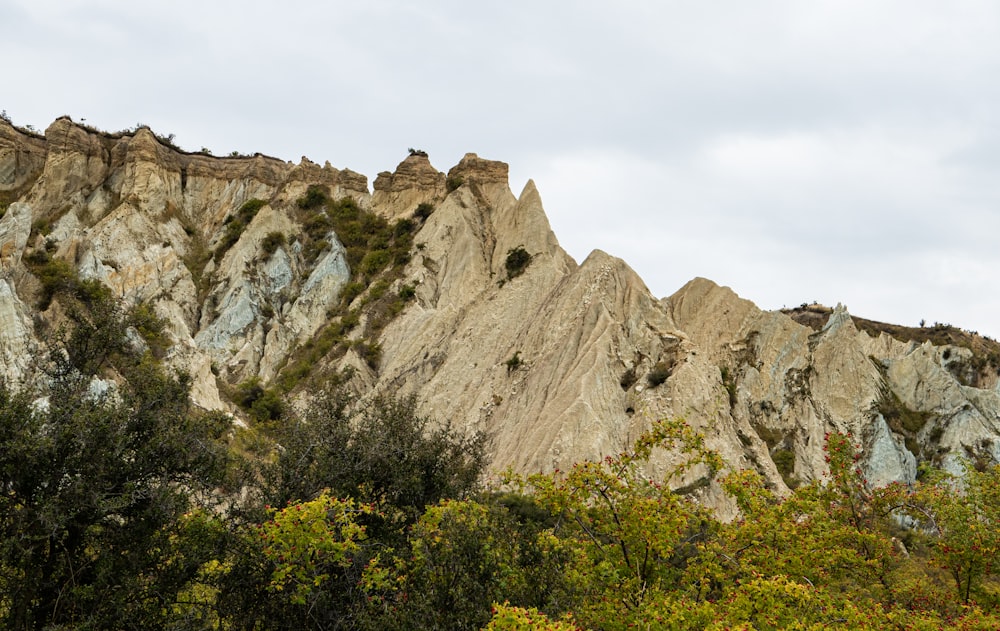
(980, 369)
(274, 277)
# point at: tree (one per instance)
(382, 459)
(466, 555)
(294, 568)
(380, 452)
(630, 538)
(962, 517)
(93, 488)
(831, 534)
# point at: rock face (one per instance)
(501, 332)
(413, 182)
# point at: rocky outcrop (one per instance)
(414, 182)
(144, 218)
(791, 384)
(485, 318)
(22, 156)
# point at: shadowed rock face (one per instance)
(504, 332)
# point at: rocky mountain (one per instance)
(275, 276)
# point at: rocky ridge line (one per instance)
(556, 361)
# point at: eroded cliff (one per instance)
(451, 287)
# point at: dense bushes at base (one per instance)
(102, 486)
(602, 547)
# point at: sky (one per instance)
(838, 151)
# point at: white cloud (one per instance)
(837, 150)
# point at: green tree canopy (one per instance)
(94, 478)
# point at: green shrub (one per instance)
(375, 251)
(900, 418)
(92, 291)
(235, 225)
(514, 362)
(249, 209)
(378, 241)
(354, 256)
(314, 249)
(517, 261)
(248, 391)
(784, 462)
(403, 227)
(423, 211)
(378, 290)
(315, 197)
(407, 292)
(350, 320)
(228, 240)
(268, 407)
(58, 276)
(263, 404)
(346, 209)
(351, 291)
(369, 351)
(54, 274)
(374, 262)
(454, 182)
(317, 225)
(41, 226)
(151, 327)
(272, 242)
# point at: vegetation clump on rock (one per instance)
(235, 225)
(377, 251)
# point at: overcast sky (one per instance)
(837, 151)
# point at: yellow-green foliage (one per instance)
(627, 537)
(304, 540)
(508, 618)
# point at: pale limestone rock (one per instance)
(15, 227)
(307, 313)
(801, 384)
(887, 460)
(135, 213)
(277, 275)
(967, 417)
(22, 157)
(133, 253)
(16, 339)
(414, 182)
(204, 392)
(232, 332)
(320, 292)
